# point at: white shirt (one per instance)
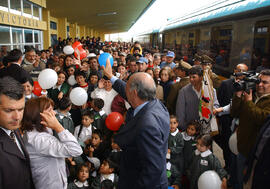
(109, 177)
(86, 133)
(106, 96)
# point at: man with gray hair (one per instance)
(144, 137)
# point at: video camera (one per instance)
(248, 82)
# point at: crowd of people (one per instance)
(173, 111)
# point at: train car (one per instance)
(230, 32)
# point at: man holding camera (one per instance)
(252, 110)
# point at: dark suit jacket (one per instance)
(15, 169)
(144, 141)
(224, 95)
(17, 72)
(172, 97)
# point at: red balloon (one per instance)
(79, 50)
(76, 45)
(37, 89)
(114, 120)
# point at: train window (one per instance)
(191, 35)
(262, 30)
(221, 40)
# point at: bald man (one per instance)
(224, 95)
(144, 137)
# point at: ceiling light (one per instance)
(107, 14)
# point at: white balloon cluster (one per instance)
(233, 143)
(68, 50)
(78, 96)
(209, 180)
(47, 78)
(71, 80)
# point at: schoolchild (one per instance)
(107, 171)
(204, 160)
(83, 132)
(175, 153)
(189, 136)
(81, 182)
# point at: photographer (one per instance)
(252, 110)
(224, 95)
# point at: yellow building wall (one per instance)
(46, 33)
(62, 28)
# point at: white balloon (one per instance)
(47, 78)
(233, 143)
(209, 180)
(71, 80)
(68, 50)
(78, 96)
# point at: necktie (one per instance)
(12, 136)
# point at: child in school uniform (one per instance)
(175, 153)
(115, 154)
(97, 148)
(106, 172)
(81, 182)
(204, 160)
(100, 117)
(63, 115)
(189, 136)
(83, 132)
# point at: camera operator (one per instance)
(224, 95)
(252, 109)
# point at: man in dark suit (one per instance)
(144, 137)
(13, 68)
(15, 169)
(224, 95)
(182, 72)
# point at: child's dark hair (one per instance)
(173, 117)
(112, 164)
(93, 72)
(206, 139)
(98, 103)
(79, 73)
(197, 126)
(89, 114)
(99, 133)
(106, 184)
(81, 166)
(64, 103)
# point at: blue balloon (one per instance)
(103, 58)
(169, 187)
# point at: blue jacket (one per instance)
(144, 144)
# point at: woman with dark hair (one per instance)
(166, 75)
(47, 153)
(60, 89)
(69, 60)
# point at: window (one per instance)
(225, 32)
(4, 35)
(27, 10)
(17, 36)
(4, 5)
(15, 6)
(28, 36)
(36, 36)
(53, 25)
(36, 12)
(67, 28)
